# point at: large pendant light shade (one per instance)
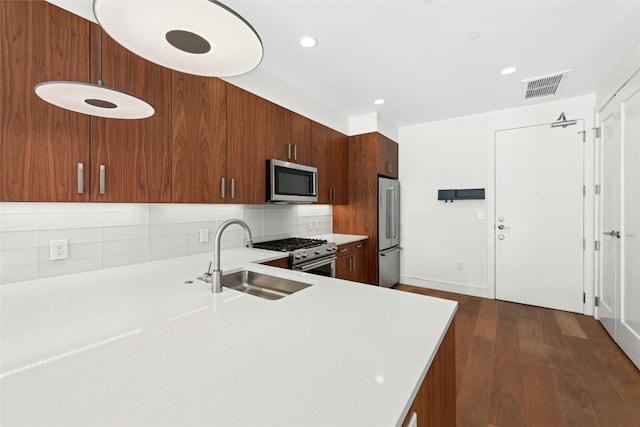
(201, 37)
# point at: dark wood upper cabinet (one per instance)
(246, 166)
(321, 154)
(339, 168)
(277, 135)
(133, 155)
(41, 145)
(199, 139)
(330, 154)
(387, 157)
(301, 139)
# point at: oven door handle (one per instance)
(313, 265)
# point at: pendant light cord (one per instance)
(100, 82)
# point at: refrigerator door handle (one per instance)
(389, 251)
(390, 213)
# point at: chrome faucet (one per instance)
(215, 277)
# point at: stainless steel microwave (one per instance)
(291, 183)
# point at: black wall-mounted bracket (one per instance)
(461, 194)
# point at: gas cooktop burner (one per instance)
(290, 244)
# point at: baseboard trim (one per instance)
(458, 288)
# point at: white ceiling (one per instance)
(420, 56)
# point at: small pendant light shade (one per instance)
(201, 37)
(93, 99)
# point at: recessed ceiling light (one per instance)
(508, 70)
(307, 41)
(379, 101)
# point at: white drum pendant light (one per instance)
(94, 99)
(201, 37)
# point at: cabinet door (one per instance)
(277, 136)
(134, 155)
(360, 262)
(344, 262)
(387, 157)
(41, 145)
(199, 138)
(339, 168)
(246, 166)
(301, 139)
(322, 144)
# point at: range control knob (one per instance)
(304, 255)
(317, 252)
(298, 257)
(331, 249)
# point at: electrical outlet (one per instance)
(459, 264)
(58, 249)
(204, 235)
(310, 225)
(480, 215)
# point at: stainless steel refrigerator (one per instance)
(388, 232)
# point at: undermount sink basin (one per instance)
(261, 285)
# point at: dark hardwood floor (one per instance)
(518, 365)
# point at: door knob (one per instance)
(502, 227)
(500, 236)
(612, 233)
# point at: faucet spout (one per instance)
(216, 275)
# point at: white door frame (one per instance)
(587, 115)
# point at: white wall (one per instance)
(103, 235)
(458, 153)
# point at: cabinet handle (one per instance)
(80, 178)
(350, 264)
(359, 246)
(344, 250)
(389, 167)
(295, 152)
(102, 179)
(233, 188)
(288, 151)
(222, 188)
(354, 263)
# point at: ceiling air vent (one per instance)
(541, 87)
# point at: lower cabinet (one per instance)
(351, 261)
(435, 402)
(280, 262)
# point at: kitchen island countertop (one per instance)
(341, 239)
(136, 345)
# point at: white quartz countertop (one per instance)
(136, 345)
(341, 239)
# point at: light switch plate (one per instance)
(204, 235)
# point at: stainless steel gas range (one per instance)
(309, 255)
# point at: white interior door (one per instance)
(539, 216)
(609, 280)
(628, 323)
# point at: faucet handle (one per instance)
(206, 277)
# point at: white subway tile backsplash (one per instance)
(116, 234)
(18, 240)
(74, 235)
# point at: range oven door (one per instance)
(322, 267)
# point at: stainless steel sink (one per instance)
(261, 285)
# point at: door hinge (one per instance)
(597, 245)
(584, 135)
(584, 244)
(584, 297)
(584, 191)
(596, 301)
(598, 189)
(596, 130)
